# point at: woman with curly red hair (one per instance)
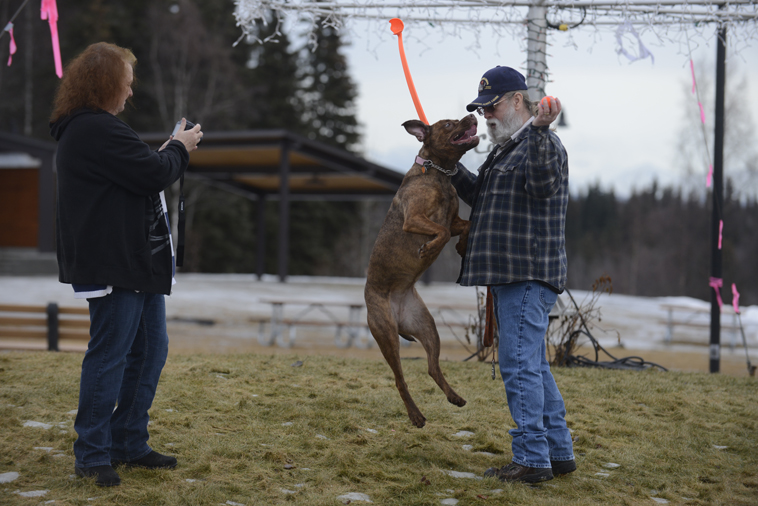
(114, 247)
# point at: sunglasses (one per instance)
(490, 108)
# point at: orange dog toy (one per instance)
(396, 25)
(547, 101)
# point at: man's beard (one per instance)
(501, 131)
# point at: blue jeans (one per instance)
(127, 350)
(534, 401)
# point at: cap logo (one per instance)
(484, 84)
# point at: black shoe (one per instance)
(106, 476)
(517, 472)
(561, 467)
(152, 460)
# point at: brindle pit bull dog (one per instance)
(422, 218)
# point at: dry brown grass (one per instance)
(223, 416)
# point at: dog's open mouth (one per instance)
(466, 136)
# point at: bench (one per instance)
(43, 327)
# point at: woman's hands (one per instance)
(189, 138)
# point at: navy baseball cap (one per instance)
(495, 83)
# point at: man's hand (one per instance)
(548, 110)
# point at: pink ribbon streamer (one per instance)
(702, 113)
(49, 11)
(13, 47)
(710, 176)
(721, 231)
(716, 284)
(735, 298)
(692, 67)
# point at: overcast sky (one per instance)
(623, 118)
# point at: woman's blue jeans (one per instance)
(127, 350)
(534, 401)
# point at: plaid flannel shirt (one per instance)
(518, 217)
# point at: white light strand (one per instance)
(670, 20)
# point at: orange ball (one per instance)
(546, 102)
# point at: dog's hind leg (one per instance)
(418, 322)
(383, 327)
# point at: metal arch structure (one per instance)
(676, 21)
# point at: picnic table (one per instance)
(349, 331)
(283, 330)
(352, 330)
(679, 315)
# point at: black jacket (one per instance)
(110, 224)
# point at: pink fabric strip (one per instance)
(721, 231)
(735, 298)
(49, 11)
(13, 47)
(710, 176)
(692, 67)
(702, 113)
(716, 284)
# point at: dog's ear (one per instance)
(417, 128)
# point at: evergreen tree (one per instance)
(328, 91)
(273, 79)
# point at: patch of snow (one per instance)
(354, 496)
(321, 436)
(190, 480)
(468, 448)
(232, 503)
(488, 454)
(287, 424)
(496, 491)
(449, 502)
(72, 412)
(463, 433)
(603, 475)
(372, 431)
(47, 449)
(37, 425)
(8, 477)
(611, 465)
(33, 493)
(287, 491)
(659, 500)
(720, 447)
(458, 474)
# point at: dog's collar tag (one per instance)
(427, 164)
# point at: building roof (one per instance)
(255, 160)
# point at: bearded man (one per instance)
(516, 247)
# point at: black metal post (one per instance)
(718, 199)
(260, 254)
(284, 211)
(52, 327)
